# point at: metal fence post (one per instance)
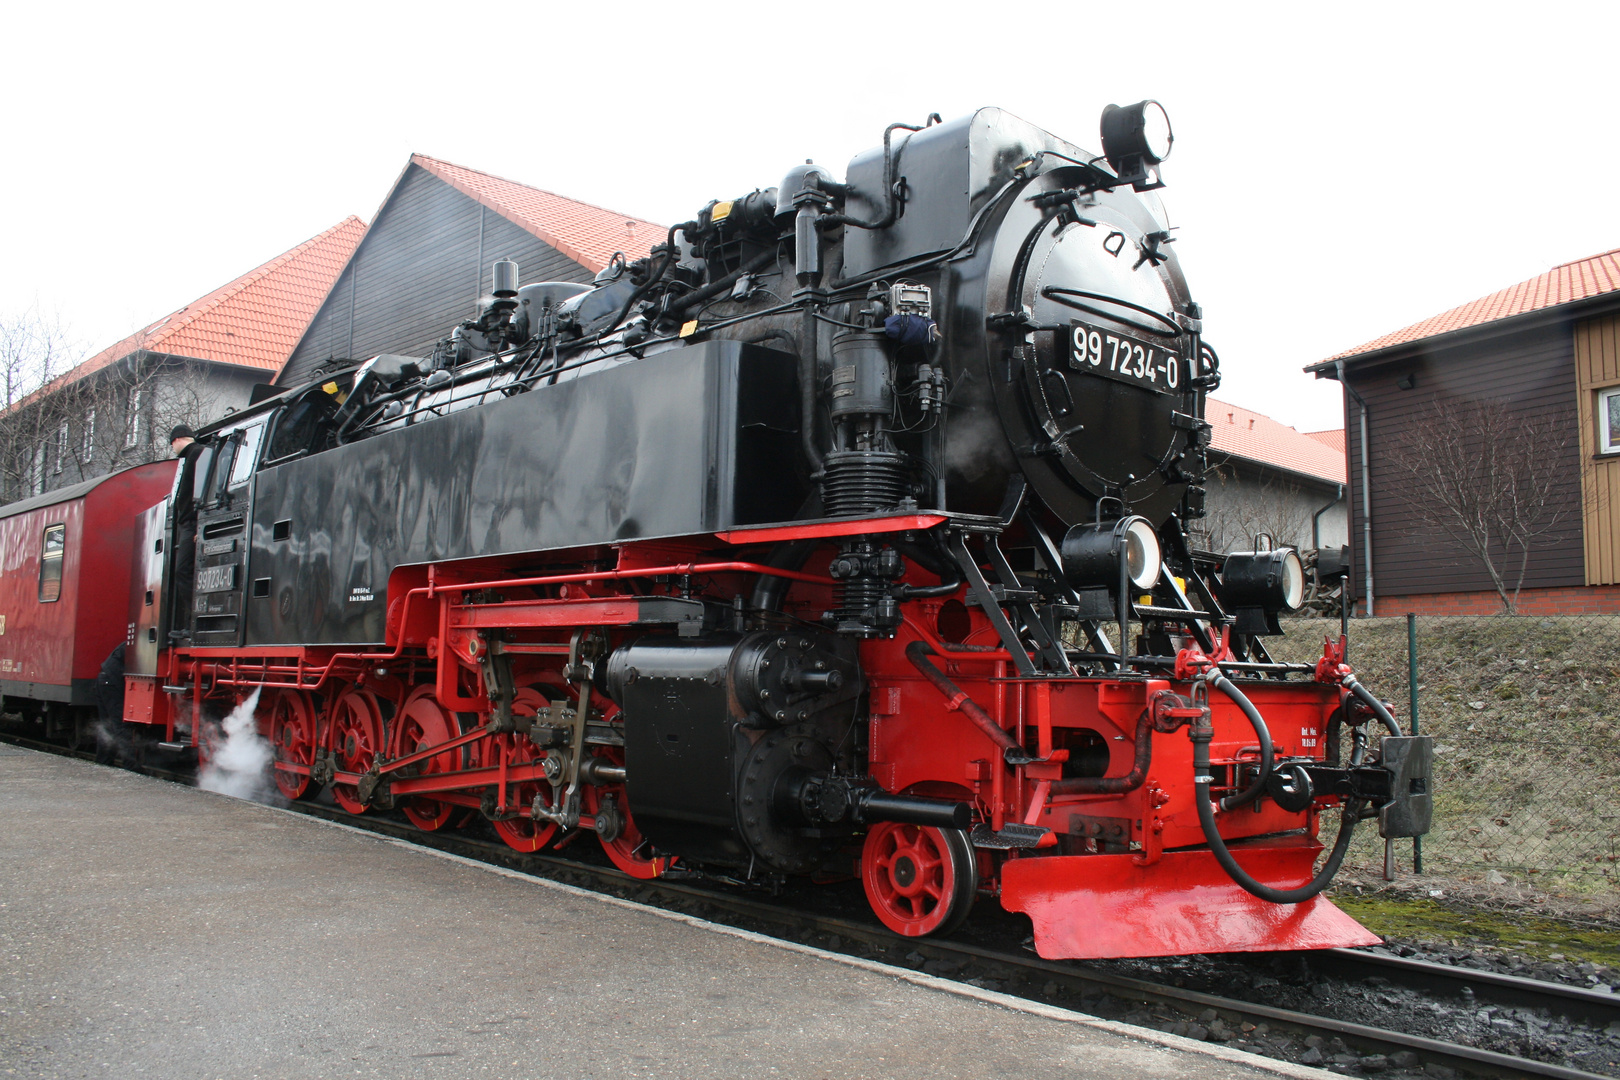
(1412, 708)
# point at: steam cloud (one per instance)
(240, 764)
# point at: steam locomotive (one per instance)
(846, 531)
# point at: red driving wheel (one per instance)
(629, 850)
(357, 741)
(522, 833)
(920, 880)
(423, 723)
(287, 720)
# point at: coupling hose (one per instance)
(1201, 736)
(1366, 697)
(1261, 732)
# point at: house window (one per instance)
(1608, 410)
(87, 445)
(132, 420)
(61, 446)
(36, 471)
(50, 563)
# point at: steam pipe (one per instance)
(918, 653)
(1116, 785)
(686, 301)
(809, 339)
(1366, 488)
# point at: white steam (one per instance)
(240, 764)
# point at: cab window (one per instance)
(52, 548)
(247, 453)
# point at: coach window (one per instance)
(50, 563)
(1608, 410)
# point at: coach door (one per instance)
(222, 540)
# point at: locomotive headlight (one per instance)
(1260, 585)
(1092, 553)
(1135, 138)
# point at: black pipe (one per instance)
(878, 805)
(686, 301)
(1116, 785)
(1201, 734)
(809, 385)
(770, 590)
(1261, 732)
(918, 653)
(890, 195)
(1366, 697)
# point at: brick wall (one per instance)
(1580, 600)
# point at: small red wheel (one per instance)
(920, 880)
(422, 723)
(522, 833)
(357, 741)
(287, 720)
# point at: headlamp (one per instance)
(1092, 553)
(1135, 139)
(1259, 585)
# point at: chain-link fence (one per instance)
(1525, 714)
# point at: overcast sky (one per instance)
(1339, 171)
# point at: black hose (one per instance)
(1201, 735)
(1261, 732)
(1377, 707)
(652, 279)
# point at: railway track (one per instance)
(1252, 1026)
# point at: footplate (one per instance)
(1099, 906)
(1012, 835)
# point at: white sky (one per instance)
(1339, 171)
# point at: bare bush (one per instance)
(1488, 477)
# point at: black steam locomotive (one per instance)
(845, 529)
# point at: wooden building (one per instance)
(426, 258)
(192, 366)
(1545, 356)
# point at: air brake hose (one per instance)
(1201, 734)
(1366, 697)
(1261, 732)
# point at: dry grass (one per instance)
(1526, 723)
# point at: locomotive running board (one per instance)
(1092, 907)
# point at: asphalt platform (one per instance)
(152, 930)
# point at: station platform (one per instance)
(151, 930)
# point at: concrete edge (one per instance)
(917, 978)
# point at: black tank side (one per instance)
(683, 442)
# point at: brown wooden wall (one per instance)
(419, 271)
(1535, 370)
(1597, 367)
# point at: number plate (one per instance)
(1128, 359)
(212, 579)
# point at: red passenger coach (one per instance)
(65, 583)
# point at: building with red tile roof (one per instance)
(107, 411)
(426, 260)
(1547, 351)
(1267, 477)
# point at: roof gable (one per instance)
(587, 234)
(1582, 279)
(253, 321)
(1256, 437)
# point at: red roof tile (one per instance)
(1333, 437)
(1578, 280)
(587, 234)
(1243, 433)
(253, 321)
